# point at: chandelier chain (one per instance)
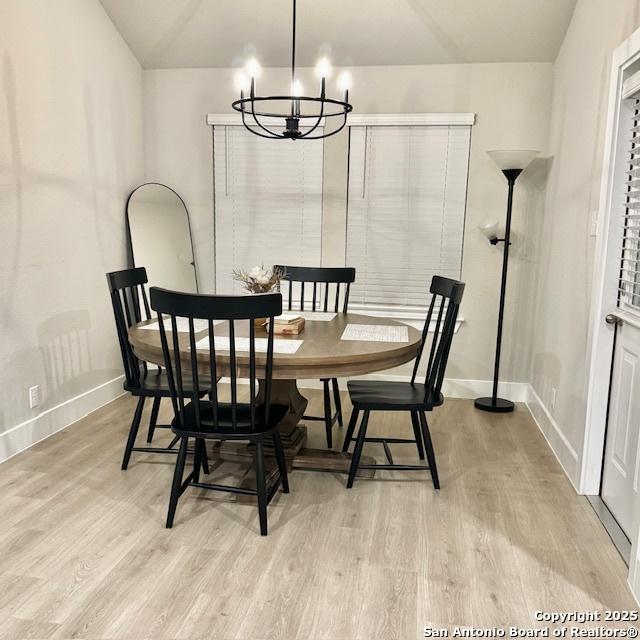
(293, 46)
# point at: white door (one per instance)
(620, 480)
(620, 474)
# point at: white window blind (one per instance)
(406, 209)
(629, 284)
(268, 202)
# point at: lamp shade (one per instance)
(489, 228)
(512, 158)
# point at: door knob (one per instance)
(612, 318)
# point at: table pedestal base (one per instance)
(294, 437)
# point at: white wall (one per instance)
(562, 266)
(512, 103)
(70, 151)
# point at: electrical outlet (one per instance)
(553, 398)
(34, 396)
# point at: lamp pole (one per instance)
(495, 404)
(512, 163)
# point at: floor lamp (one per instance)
(512, 164)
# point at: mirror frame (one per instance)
(131, 256)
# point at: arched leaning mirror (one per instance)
(160, 237)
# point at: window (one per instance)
(629, 282)
(406, 209)
(268, 203)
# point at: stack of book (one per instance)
(288, 324)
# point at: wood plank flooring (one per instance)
(85, 553)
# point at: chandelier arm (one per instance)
(332, 133)
(315, 126)
(344, 106)
(253, 113)
(257, 133)
(273, 136)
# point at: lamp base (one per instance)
(499, 406)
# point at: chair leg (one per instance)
(261, 486)
(177, 481)
(327, 414)
(357, 452)
(133, 432)
(280, 459)
(205, 457)
(429, 447)
(336, 399)
(197, 459)
(350, 429)
(417, 434)
(154, 418)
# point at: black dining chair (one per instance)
(255, 421)
(130, 306)
(413, 397)
(319, 281)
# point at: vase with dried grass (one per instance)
(259, 280)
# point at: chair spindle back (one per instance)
(445, 303)
(318, 281)
(217, 312)
(127, 291)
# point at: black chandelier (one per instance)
(255, 109)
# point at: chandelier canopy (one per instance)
(257, 110)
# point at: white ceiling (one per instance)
(218, 33)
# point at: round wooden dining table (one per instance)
(322, 354)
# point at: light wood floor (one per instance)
(84, 552)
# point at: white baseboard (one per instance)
(26, 434)
(451, 387)
(460, 388)
(567, 456)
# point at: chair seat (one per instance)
(156, 383)
(225, 428)
(391, 396)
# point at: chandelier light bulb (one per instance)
(323, 68)
(345, 81)
(296, 88)
(241, 81)
(252, 68)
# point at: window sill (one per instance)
(412, 316)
